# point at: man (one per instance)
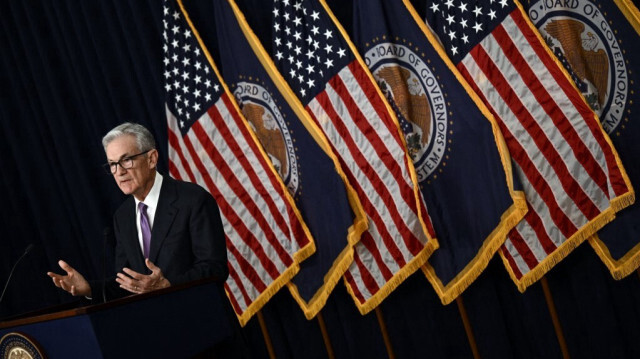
(168, 232)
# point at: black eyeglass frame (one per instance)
(112, 167)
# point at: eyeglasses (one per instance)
(126, 163)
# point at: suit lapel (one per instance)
(134, 253)
(165, 214)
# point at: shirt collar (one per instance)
(154, 194)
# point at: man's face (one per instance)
(138, 179)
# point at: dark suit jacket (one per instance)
(187, 239)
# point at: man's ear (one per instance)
(153, 158)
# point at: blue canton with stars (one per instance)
(461, 25)
(191, 85)
(307, 47)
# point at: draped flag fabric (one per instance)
(570, 172)
(324, 71)
(449, 137)
(210, 143)
(308, 168)
(597, 42)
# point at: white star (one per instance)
(303, 92)
(278, 41)
(285, 2)
(198, 65)
(176, 15)
(298, 50)
(309, 54)
(298, 5)
(463, 23)
(287, 30)
(310, 83)
(167, 74)
(196, 93)
(477, 11)
(207, 97)
(328, 49)
(503, 3)
(477, 27)
(279, 55)
(454, 50)
(289, 45)
(196, 107)
(492, 14)
(449, 4)
(450, 19)
(328, 34)
(167, 87)
(286, 16)
(462, 7)
(276, 12)
(309, 68)
(185, 75)
(341, 52)
(175, 29)
(465, 38)
(315, 15)
(301, 78)
(315, 30)
(181, 123)
(452, 35)
(276, 26)
(290, 58)
(299, 64)
(185, 61)
(292, 73)
(328, 63)
(216, 87)
(207, 83)
(297, 35)
(435, 7)
(297, 21)
(187, 34)
(197, 79)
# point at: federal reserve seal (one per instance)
(582, 38)
(269, 125)
(19, 346)
(418, 100)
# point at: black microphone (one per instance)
(106, 234)
(27, 250)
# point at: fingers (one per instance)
(133, 274)
(66, 267)
(152, 267)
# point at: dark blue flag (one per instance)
(301, 155)
(596, 41)
(462, 163)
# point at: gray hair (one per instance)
(144, 138)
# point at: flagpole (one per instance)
(385, 334)
(467, 327)
(554, 318)
(325, 336)
(265, 334)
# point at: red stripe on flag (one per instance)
(174, 142)
(377, 184)
(236, 186)
(512, 262)
(229, 212)
(248, 271)
(535, 222)
(298, 233)
(615, 175)
(530, 171)
(354, 287)
(374, 98)
(406, 191)
(580, 150)
(523, 248)
(367, 241)
(234, 302)
(569, 184)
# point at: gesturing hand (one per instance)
(137, 283)
(73, 282)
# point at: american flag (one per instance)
(210, 144)
(341, 97)
(571, 174)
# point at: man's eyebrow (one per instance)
(124, 155)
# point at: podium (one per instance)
(175, 322)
